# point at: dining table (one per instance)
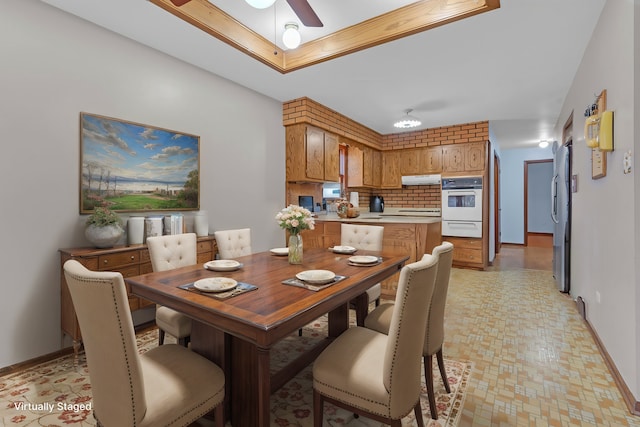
(237, 329)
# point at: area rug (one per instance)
(56, 393)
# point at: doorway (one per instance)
(538, 226)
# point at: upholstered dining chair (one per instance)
(368, 238)
(233, 243)
(168, 385)
(380, 320)
(166, 253)
(374, 374)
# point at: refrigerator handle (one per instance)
(554, 199)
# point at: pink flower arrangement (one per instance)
(295, 218)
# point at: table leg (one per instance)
(215, 346)
(338, 320)
(250, 384)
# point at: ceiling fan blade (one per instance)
(179, 3)
(305, 13)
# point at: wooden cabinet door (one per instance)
(391, 177)
(432, 160)
(474, 157)
(314, 148)
(410, 161)
(355, 167)
(453, 158)
(376, 168)
(331, 157)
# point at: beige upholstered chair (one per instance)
(166, 253)
(368, 238)
(380, 320)
(233, 243)
(374, 374)
(168, 385)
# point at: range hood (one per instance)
(421, 179)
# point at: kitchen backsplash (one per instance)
(418, 196)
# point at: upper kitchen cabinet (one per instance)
(421, 161)
(391, 176)
(363, 167)
(463, 157)
(312, 154)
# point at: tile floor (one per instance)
(535, 362)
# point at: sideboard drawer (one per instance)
(115, 260)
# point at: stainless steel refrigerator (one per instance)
(561, 215)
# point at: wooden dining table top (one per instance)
(272, 311)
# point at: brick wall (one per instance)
(415, 196)
(305, 110)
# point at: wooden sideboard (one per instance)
(128, 260)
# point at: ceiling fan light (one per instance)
(291, 37)
(407, 121)
(260, 4)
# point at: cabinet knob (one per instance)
(132, 258)
(106, 262)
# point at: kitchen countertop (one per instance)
(389, 216)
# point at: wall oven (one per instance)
(462, 206)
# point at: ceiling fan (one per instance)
(301, 7)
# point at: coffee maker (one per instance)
(376, 204)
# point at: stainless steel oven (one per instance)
(462, 206)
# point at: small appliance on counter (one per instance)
(376, 204)
(306, 202)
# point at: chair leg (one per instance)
(428, 378)
(218, 414)
(318, 409)
(160, 336)
(300, 332)
(184, 341)
(418, 412)
(377, 302)
(443, 372)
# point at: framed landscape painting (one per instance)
(131, 167)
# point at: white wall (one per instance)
(53, 67)
(512, 189)
(604, 236)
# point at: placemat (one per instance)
(301, 284)
(238, 290)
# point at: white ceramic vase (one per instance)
(201, 223)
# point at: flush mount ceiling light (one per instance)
(291, 37)
(260, 4)
(407, 121)
(543, 143)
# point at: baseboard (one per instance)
(629, 399)
(21, 366)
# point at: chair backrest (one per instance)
(233, 243)
(402, 359)
(101, 304)
(365, 237)
(434, 336)
(172, 251)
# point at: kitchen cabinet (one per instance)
(364, 167)
(128, 260)
(312, 154)
(413, 239)
(463, 157)
(391, 176)
(421, 161)
(467, 252)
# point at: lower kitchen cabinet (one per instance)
(413, 239)
(128, 260)
(467, 252)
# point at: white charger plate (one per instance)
(215, 284)
(317, 277)
(279, 251)
(363, 259)
(222, 265)
(343, 249)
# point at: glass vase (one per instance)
(295, 249)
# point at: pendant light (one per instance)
(291, 36)
(407, 121)
(260, 4)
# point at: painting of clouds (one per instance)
(131, 167)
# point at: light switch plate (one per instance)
(574, 183)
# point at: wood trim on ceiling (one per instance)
(405, 21)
